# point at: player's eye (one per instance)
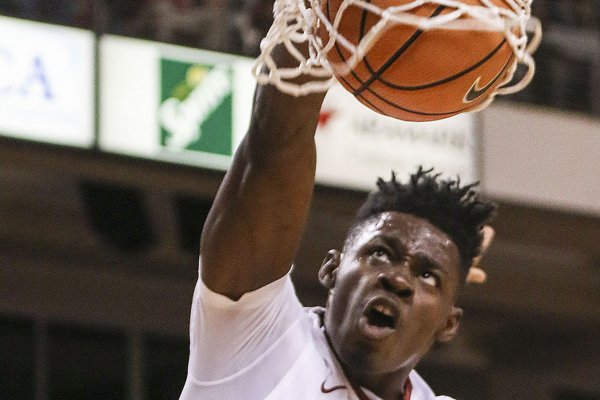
(380, 254)
(429, 278)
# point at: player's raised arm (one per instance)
(254, 228)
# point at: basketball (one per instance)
(418, 75)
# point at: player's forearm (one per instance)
(254, 228)
(281, 123)
(279, 120)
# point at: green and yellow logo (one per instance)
(196, 107)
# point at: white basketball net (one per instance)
(296, 24)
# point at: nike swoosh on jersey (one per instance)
(331, 389)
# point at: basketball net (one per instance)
(296, 24)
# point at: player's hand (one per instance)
(476, 274)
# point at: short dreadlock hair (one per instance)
(457, 210)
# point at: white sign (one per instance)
(171, 103)
(46, 82)
(355, 145)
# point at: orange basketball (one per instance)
(417, 75)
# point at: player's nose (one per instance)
(396, 281)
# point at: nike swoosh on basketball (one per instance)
(476, 91)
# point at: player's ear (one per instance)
(448, 331)
(328, 270)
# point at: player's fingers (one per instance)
(476, 274)
(488, 236)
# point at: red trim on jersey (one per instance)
(407, 390)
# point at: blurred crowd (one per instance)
(233, 26)
(568, 60)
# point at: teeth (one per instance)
(385, 310)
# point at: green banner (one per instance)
(196, 107)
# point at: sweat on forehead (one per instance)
(455, 209)
(395, 223)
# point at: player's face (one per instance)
(393, 294)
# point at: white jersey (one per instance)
(266, 346)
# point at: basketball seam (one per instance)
(341, 55)
(365, 85)
(353, 73)
(378, 96)
(375, 75)
(445, 80)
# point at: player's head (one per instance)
(392, 291)
(457, 210)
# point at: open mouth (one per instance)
(379, 319)
(381, 316)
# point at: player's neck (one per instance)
(388, 386)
